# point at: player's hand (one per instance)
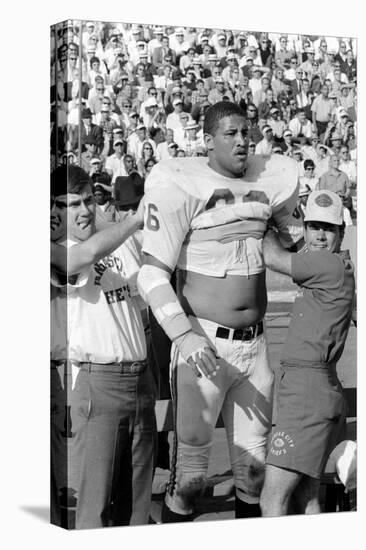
(199, 353)
(204, 362)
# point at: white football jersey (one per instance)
(199, 220)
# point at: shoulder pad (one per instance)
(191, 175)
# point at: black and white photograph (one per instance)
(191, 373)
(203, 257)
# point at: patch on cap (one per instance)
(324, 200)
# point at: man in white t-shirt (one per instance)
(111, 393)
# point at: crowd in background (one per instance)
(126, 96)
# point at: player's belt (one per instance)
(123, 367)
(244, 334)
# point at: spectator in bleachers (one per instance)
(276, 123)
(287, 145)
(308, 180)
(308, 65)
(265, 146)
(337, 181)
(300, 126)
(114, 164)
(87, 128)
(162, 152)
(277, 84)
(351, 140)
(96, 69)
(178, 43)
(147, 153)
(350, 66)
(180, 132)
(173, 120)
(90, 145)
(282, 52)
(302, 98)
(260, 94)
(155, 42)
(219, 92)
(127, 69)
(293, 65)
(322, 109)
(254, 133)
(347, 165)
(267, 104)
(191, 143)
(105, 208)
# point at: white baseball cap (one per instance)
(324, 206)
(151, 102)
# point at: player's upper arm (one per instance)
(285, 201)
(276, 257)
(168, 214)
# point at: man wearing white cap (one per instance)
(310, 403)
(173, 119)
(264, 147)
(178, 43)
(114, 164)
(156, 41)
(276, 123)
(191, 143)
(220, 92)
(219, 43)
(90, 29)
(308, 65)
(255, 82)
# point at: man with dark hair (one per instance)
(206, 217)
(110, 390)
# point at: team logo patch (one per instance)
(281, 443)
(324, 200)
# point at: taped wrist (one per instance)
(191, 345)
(155, 288)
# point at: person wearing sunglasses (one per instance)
(147, 153)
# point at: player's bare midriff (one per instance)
(233, 301)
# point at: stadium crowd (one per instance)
(131, 95)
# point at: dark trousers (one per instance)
(63, 485)
(321, 127)
(160, 356)
(114, 432)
